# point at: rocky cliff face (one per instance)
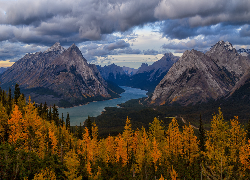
(159, 68)
(57, 76)
(198, 77)
(227, 57)
(148, 76)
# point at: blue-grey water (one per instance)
(80, 113)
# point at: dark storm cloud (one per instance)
(121, 44)
(93, 50)
(15, 51)
(150, 52)
(78, 20)
(180, 29)
(198, 44)
(44, 22)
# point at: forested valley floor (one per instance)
(36, 144)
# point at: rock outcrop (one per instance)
(198, 77)
(57, 76)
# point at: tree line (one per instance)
(37, 145)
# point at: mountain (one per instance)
(241, 91)
(148, 76)
(243, 52)
(227, 58)
(199, 77)
(129, 71)
(57, 76)
(114, 73)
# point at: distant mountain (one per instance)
(243, 52)
(114, 74)
(57, 76)
(148, 76)
(2, 69)
(129, 71)
(199, 77)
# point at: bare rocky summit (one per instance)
(57, 76)
(197, 77)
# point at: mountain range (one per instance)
(58, 76)
(199, 77)
(63, 77)
(147, 77)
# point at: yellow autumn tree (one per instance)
(45, 174)
(72, 163)
(217, 145)
(174, 142)
(121, 150)
(156, 130)
(17, 131)
(190, 143)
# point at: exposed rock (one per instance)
(129, 71)
(225, 56)
(198, 77)
(62, 76)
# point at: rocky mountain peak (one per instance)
(243, 52)
(222, 46)
(225, 56)
(56, 48)
(73, 47)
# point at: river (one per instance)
(80, 113)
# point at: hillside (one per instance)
(58, 76)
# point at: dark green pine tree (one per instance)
(9, 102)
(40, 109)
(68, 122)
(55, 115)
(17, 93)
(50, 115)
(202, 136)
(88, 124)
(62, 121)
(45, 111)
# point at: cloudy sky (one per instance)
(125, 32)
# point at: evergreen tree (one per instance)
(17, 93)
(40, 109)
(202, 136)
(9, 102)
(88, 124)
(62, 120)
(68, 122)
(45, 111)
(50, 115)
(55, 115)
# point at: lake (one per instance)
(80, 113)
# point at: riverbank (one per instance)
(79, 114)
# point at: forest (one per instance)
(35, 143)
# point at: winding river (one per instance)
(80, 113)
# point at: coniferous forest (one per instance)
(35, 143)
